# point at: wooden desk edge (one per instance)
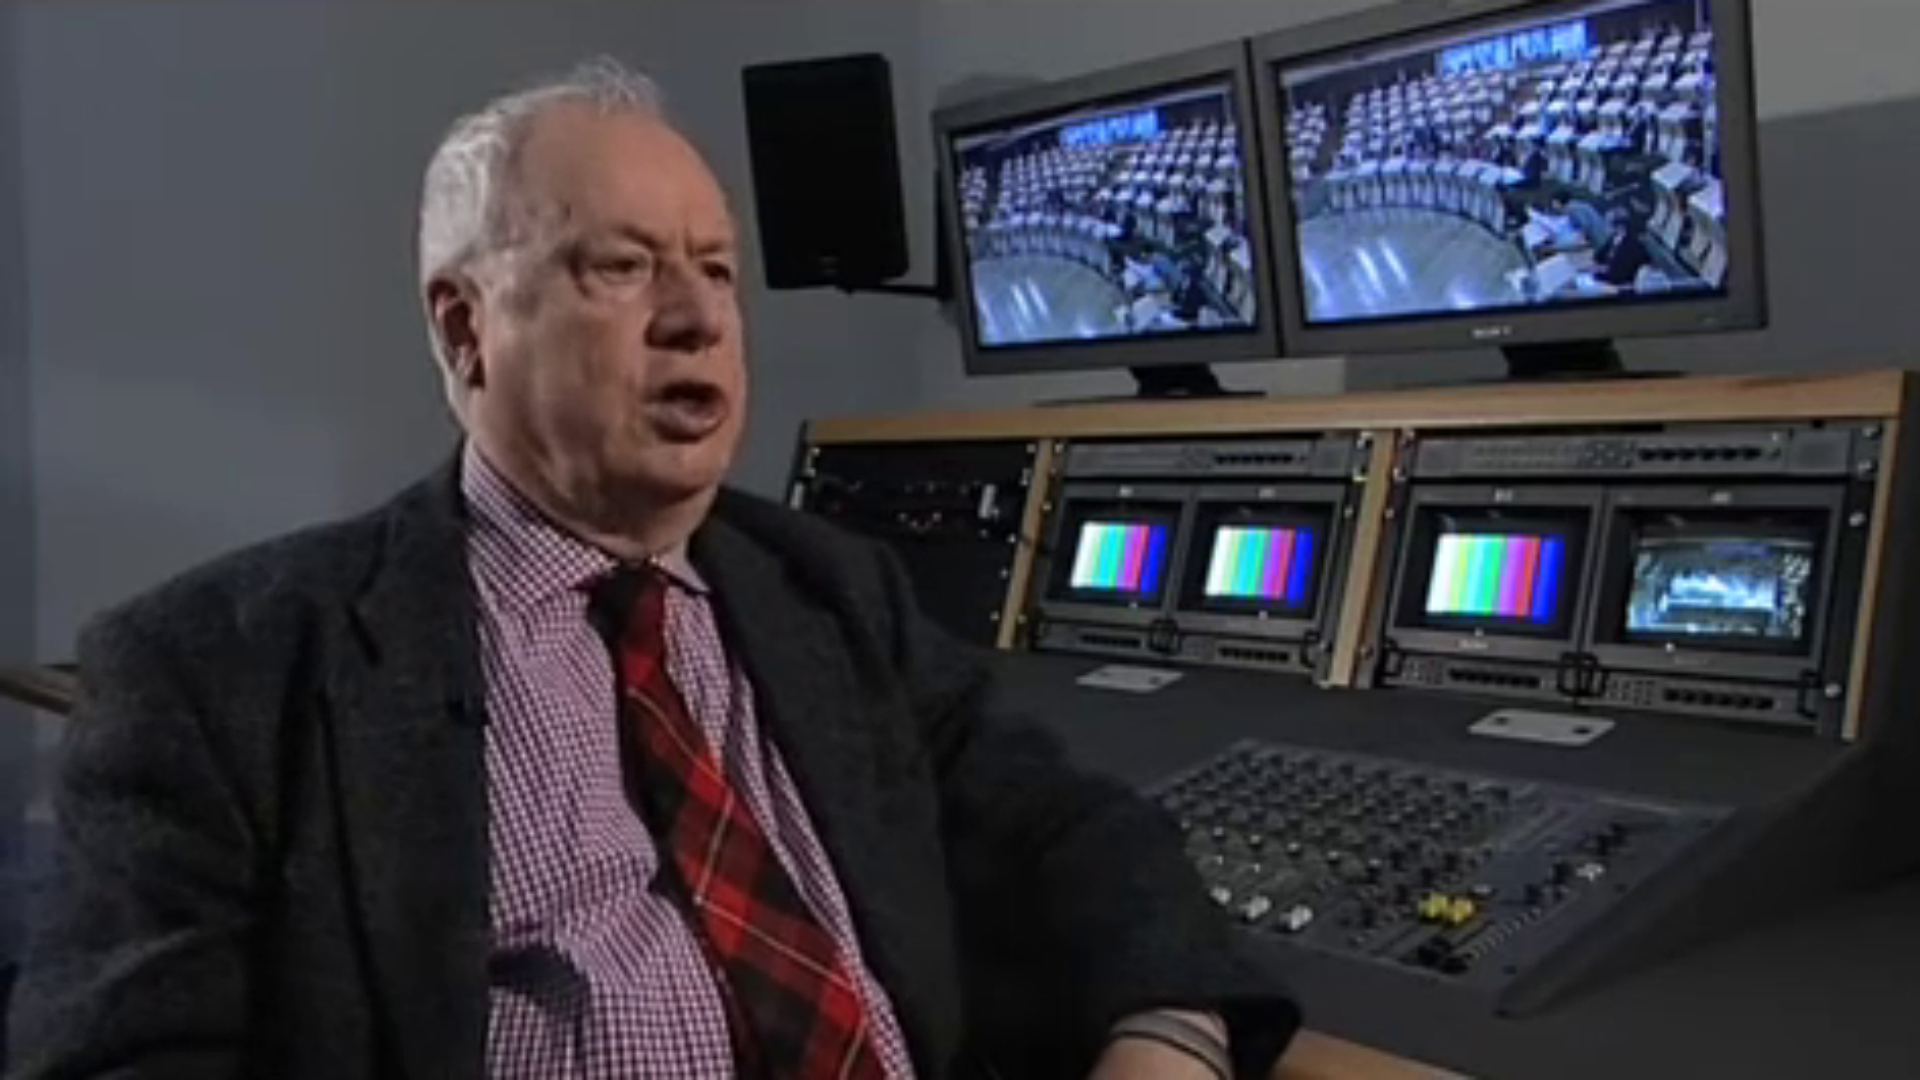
(1314, 1056)
(47, 689)
(1713, 399)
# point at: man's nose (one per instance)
(686, 313)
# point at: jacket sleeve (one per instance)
(136, 965)
(1076, 876)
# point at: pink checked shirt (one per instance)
(593, 974)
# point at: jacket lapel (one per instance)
(807, 700)
(407, 753)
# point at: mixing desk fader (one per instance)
(1467, 877)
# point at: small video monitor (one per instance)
(1493, 572)
(1114, 554)
(1720, 582)
(1257, 560)
(1497, 577)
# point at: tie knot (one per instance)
(627, 603)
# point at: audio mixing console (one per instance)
(1470, 878)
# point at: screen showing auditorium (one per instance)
(1257, 559)
(1560, 155)
(1122, 219)
(1114, 554)
(1491, 572)
(1722, 582)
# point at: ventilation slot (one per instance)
(1502, 679)
(1727, 701)
(1642, 692)
(1243, 655)
(1109, 641)
(1255, 460)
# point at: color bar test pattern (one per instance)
(1497, 576)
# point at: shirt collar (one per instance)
(521, 557)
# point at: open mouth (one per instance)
(689, 409)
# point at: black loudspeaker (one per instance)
(826, 172)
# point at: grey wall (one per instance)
(1838, 94)
(217, 197)
(16, 480)
(225, 341)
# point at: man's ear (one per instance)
(453, 307)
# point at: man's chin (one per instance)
(676, 474)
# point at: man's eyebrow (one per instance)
(715, 244)
(725, 244)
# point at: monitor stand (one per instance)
(1165, 382)
(1569, 361)
(1177, 381)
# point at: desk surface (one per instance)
(1829, 992)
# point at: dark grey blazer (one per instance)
(273, 853)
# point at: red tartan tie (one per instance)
(792, 1006)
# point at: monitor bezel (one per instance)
(1491, 643)
(1330, 498)
(1260, 342)
(1612, 584)
(1744, 306)
(1174, 499)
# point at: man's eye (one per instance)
(621, 266)
(720, 272)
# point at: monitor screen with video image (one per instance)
(1257, 559)
(1722, 582)
(1513, 173)
(1485, 571)
(1114, 554)
(1112, 220)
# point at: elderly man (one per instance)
(570, 763)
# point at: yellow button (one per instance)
(1461, 911)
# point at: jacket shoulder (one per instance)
(249, 593)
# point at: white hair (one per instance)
(463, 214)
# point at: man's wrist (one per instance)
(1210, 1022)
(1201, 1036)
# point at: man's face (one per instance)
(608, 334)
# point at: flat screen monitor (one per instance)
(1114, 554)
(1485, 571)
(1447, 174)
(1112, 220)
(1261, 560)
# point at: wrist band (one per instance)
(1195, 1041)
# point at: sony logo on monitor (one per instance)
(1492, 333)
